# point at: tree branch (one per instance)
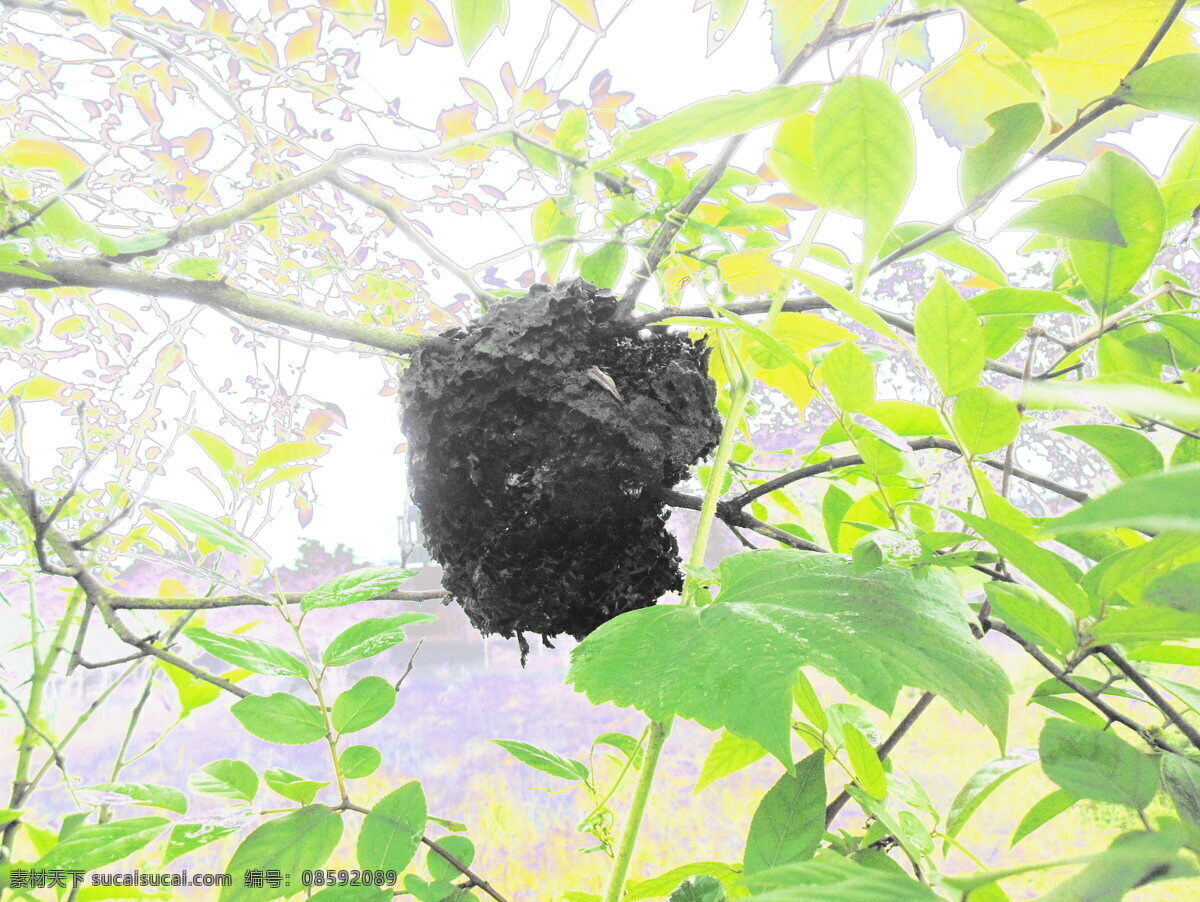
(136, 603)
(412, 233)
(674, 221)
(884, 749)
(798, 305)
(95, 591)
(920, 444)
(215, 294)
(1159, 701)
(1064, 677)
(1102, 106)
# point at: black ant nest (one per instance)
(540, 439)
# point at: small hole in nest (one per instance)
(539, 440)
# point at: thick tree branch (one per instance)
(215, 294)
(799, 305)
(136, 603)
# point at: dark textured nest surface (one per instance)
(538, 489)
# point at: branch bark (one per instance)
(216, 294)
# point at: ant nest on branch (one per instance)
(540, 440)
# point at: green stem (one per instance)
(43, 667)
(314, 680)
(637, 809)
(712, 493)
(739, 396)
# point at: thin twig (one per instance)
(1157, 698)
(884, 749)
(674, 221)
(1095, 698)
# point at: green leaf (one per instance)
(864, 150)
(34, 152)
(984, 419)
(790, 820)
(1178, 589)
(93, 846)
(1133, 860)
(149, 794)
(779, 610)
(1167, 654)
(291, 786)
(1053, 573)
(603, 267)
(1158, 501)
(1166, 86)
(360, 761)
(392, 829)
(1021, 28)
(364, 703)
(864, 761)
(1039, 619)
(227, 778)
(296, 842)
(729, 754)
(952, 247)
(716, 117)
(629, 747)
(474, 20)
(546, 762)
(554, 218)
(1145, 624)
(370, 637)
(213, 530)
(1128, 451)
(982, 784)
(850, 377)
(842, 300)
(1014, 129)
(1181, 780)
(949, 338)
(356, 586)
(832, 879)
(700, 889)
(1016, 301)
(1046, 810)
(657, 887)
(203, 268)
(251, 654)
(1122, 185)
(808, 702)
(1071, 216)
(791, 156)
(184, 838)
(280, 718)
(458, 846)
(1096, 764)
